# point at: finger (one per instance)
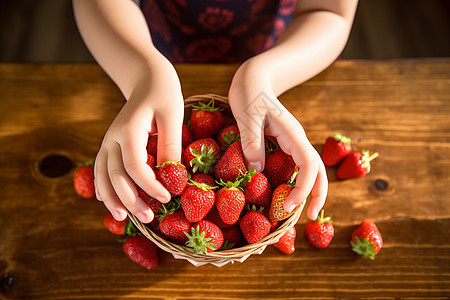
(125, 187)
(251, 130)
(104, 189)
(134, 157)
(319, 192)
(169, 138)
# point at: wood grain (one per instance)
(54, 245)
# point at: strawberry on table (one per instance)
(201, 155)
(286, 244)
(231, 164)
(83, 180)
(279, 167)
(257, 188)
(125, 227)
(367, 240)
(173, 175)
(142, 251)
(320, 232)
(335, 149)
(205, 237)
(197, 200)
(254, 226)
(206, 120)
(230, 201)
(356, 164)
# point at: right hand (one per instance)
(155, 106)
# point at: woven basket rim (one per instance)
(222, 256)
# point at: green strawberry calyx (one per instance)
(320, 218)
(206, 107)
(85, 163)
(229, 139)
(231, 184)
(202, 186)
(366, 159)
(341, 138)
(246, 177)
(364, 247)
(168, 208)
(170, 163)
(198, 242)
(204, 160)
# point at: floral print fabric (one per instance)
(216, 31)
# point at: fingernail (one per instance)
(255, 166)
(291, 208)
(162, 198)
(143, 217)
(117, 214)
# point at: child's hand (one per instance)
(122, 159)
(258, 112)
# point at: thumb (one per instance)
(251, 130)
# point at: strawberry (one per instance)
(320, 232)
(254, 226)
(83, 180)
(286, 243)
(150, 201)
(279, 195)
(356, 164)
(152, 145)
(257, 188)
(232, 237)
(231, 164)
(204, 178)
(186, 136)
(142, 251)
(173, 224)
(205, 237)
(151, 161)
(125, 227)
(173, 175)
(206, 120)
(214, 217)
(367, 240)
(201, 155)
(230, 201)
(335, 149)
(279, 167)
(227, 136)
(197, 200)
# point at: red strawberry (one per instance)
(320, 232)
(196, 201)
(279, 195)
(214, 217)
(279, 168)
(186, 136)
(204, 178)
(173, 175)
(286, 244)
(114, 226)
(336, 147)
(174, 224)
(231, 164)
(152, 145)
(142, 251)
(227, 136)
(205, 236)
(151, 161)
(232, 237)
(254, 226)
(201, 155)
(206, 120)
(230, 201)
(367, 240)
(257, 188)
(150, 201)
(356, 164)
(83, 180)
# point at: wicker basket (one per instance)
(217, 258)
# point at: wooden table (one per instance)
(54, 245)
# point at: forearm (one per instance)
(310, 44)
(117, 35)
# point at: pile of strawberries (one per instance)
(216, 202)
